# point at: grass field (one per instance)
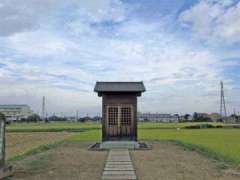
(52, 127)
(19, 143)
(219, 143)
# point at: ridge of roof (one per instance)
(119, 86)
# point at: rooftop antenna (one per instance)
(43, 108)
(223, 111)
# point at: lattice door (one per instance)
(126, 120)
(113, 121)
(113, 116)
(120, 120)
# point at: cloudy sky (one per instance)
(180, 49)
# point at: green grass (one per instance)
(220, 143)
(79, 127)
(91, 135)
(37, 165)
(53, 127)
(39, 149)
(153, 125)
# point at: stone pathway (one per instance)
(119, 166)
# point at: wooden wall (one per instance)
(119, 99)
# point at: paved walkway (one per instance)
(119, 166)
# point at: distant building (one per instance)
(215, 117)
(233, 119)
(157, 117)
(16, 112)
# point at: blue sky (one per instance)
(180, 49)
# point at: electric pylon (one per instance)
(223, 111)
(43, 108)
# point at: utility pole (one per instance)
(76, 115)
(43, 109)
(223, 111)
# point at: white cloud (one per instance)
(38, 43)
(17, 16)
(228, 26)
(161, 61)
(213, 21)
(102, 10)
(64, 57)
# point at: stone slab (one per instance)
(117, 162)
(119, 145)
(119, 173)
(120, 177)
(119, 169)
(119, 166)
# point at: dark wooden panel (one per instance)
(125, 130)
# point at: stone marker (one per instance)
(5, 170)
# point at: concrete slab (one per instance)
(119, 145)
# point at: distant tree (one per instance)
(97, 118)
(145, 119)
(186, 116)
(234, 116)
(83, 119)
(53, 118)
(33, 118)
(2, 116)
(195, 116)
(56, 118)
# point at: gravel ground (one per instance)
(167, 161)
(68, 162)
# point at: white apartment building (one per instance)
(157, 117)
(16, 112)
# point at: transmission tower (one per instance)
(223, 111)
(43, 108)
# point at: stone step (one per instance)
(117, 162)
(119, 169)
(120, 177)
(119, 166)
(119, 173)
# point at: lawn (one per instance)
(222, 143)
